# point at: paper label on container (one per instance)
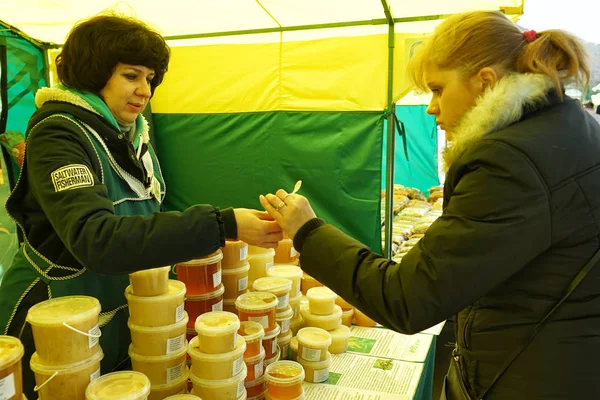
(293, 252)
(320, 375)
(274, 346)
(296, 289)
(311, 354)
(240, 389)
(244, 253)
(93, 336)
(175, 373)
(283, 302)
(243, 284)
(258, 370)
(175, 344)
(217, 278)
(285, 325)
(238, 365)
(179, 313)
(7, 387)
(218, 306)
(268, 266)
(284, 352)
(95, 375)
(263, 320)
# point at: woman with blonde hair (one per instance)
(513, 255)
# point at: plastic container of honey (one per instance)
(166, 309)
(308, 282)
(347, 316)
(269, 342)
(159, 340)
(292, 272)
(123, 385)
(201, 275)
(175, 389)
(285, 253)
(67, 382)
(255, 365)
(217, 332)
(280, 287)
(259, 307)
(339, 340)
(295, 304)
(235, 281)
(11, 371)
(313, 344)
(185, 396)
(217, 366)
(198, 305)
(321, 300)
(221, 389)
(326, 322)
(275, 358)
(256, 387)
(316, 372)
(260, 260)
(283, 318)
(161, 370)
(283, 341)
(150, 282)
(284, 380)
(235, 254)
(296, 324)
(253, 333)
(65, 329)
(294, 348)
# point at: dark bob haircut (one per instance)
(95, 46)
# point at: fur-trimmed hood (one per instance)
(56, 94)
(498, 108)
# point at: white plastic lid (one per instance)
(217, 323)
(210, 259)
(272, 284)
(156, 359)
(308, 316)
(274, 333)
(123, 385)
(176, 289)
(11, 351)
(314, 337)
(38, 367)
(286, 337)
(316, 365)
(287, 313)
(235, 271)
(218, 383)
(321, 293)
(285, 373)
(157, 329)
(207, 296)
(256, 301)
(343, 333)
(251, 331)
(196, 354)
(296, 300)
(183, 396)
(257, 358)
(69, 309)
(285, 271)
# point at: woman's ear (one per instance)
(487, 78)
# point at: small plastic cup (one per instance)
(217, 332)
(217, 366)
(257, 387)
(339, 340)
(295, 304)
(285, 253)
(159, 340)
(161, 370)
(347, 316)
(150, 282)
(313, 344)
(222, 389)
(280, 287)
(201, 275)
(259, 307)
(11, 371)
(65, 382)
(325, 322)
(65, 329)
(260, 260)
(126, 385)
(166, 309)
(296, 324)
(321, 300)
(283, 318)
(236, 281)
(284, 380)
(292, 272)
(253, 333)
(255, 365)
(294, 348)
(235, 254)
(198, 305)
(308, 282)
(269, 341)
(283, 341)
(174, 390)
(316, 372)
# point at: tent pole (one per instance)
(391, 134)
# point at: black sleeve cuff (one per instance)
(230, 223)
(304, 231)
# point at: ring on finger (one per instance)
(280, 206)
(286, 196)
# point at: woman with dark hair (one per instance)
(89, 196)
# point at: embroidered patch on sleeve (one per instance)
(72, 177)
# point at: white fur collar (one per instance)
(497, 108)
(56, 94)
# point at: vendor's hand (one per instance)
(291, 211)
(257, 228)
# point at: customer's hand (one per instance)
(291, 211)
(257, 228)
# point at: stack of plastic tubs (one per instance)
(11, 371)
(260, 261)
(254, 357)
(235, 269)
